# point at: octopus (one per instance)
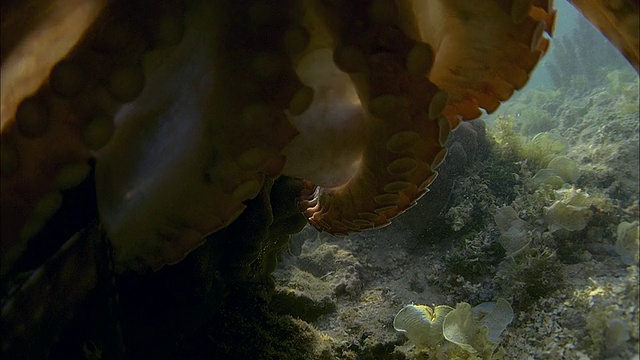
(179, 111)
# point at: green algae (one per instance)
(628, 242)
(462, 332)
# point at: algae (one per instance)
(628, 242)
(462, 332)
(571, 212)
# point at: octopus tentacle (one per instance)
(56, 112)
(199, 118)
(399, 59)
(484, 51)
(201, 79)
(189, 106)
(399, 151)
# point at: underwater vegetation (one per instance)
(547, 222)
(555, 222)
(628, 241)
(543, 215)
(463, 332)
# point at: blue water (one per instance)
(567, 21)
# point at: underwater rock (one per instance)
(337, 267)
(471, 140)
(297, 304)
(467, 145)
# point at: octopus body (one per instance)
(187, 107)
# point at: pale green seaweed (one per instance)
(514, 232)
(422, 324)
(549, 177)
(628, 242)
(462, 329)
(550, 142)
(446, 331)
(572, 212)
(544, 147)
(498, 315)
(566, 168)
(616, 334)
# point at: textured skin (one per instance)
(187, 107)
(194, 111)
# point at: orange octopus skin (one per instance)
(203, 100)
(194, 110)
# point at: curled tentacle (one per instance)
(414, 71)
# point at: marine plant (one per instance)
(559, 171)
(515, 233)
(512, 145)
(533, 274)
(548, 177)
(535, 110)
(463, 332)
(531, 269)
(607, 329)
(628, 242)
(544, 147)
(572, 211)
(504, 135)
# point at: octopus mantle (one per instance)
(186, 107)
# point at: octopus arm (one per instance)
(417, 68)
(41, 150)
(199, 102)
(198, 142)
(483, 50)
